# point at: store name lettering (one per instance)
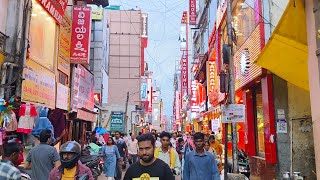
(192, 5)
(52, 8)
(211, 75)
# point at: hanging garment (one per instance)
(58, 120)
(43, 123)
(26, 121)
(12, 125)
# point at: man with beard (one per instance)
(71, 168)
(200, 164)
(148, 167)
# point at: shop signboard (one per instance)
(144, 89)
(38, 85)
(192, 12)
(82, 89)
(55, 8)
(233, 113)
(183, 37)
(184, 19)
(96, 12)
(222, 8)
(62, 97)
(194, 104)
(117, 121)
(64, 45)
(184, 75)
(80, 38)
(144, 25)
(150, 90)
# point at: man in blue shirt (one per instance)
(199, 164)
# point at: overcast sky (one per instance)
(163, 46)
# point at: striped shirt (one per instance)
(8, 171)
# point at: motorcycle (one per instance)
(94, 162)
(243, 162)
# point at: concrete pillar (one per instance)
(314, 75)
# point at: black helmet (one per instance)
(70, 147)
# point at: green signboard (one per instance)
(116, 123)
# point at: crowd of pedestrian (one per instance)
(164, 156)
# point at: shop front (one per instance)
(82, 117)
(253, 89)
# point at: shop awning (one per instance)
(286, 53)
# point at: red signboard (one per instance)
(80, 39)
(55, 8)
(184, 19)
(184, 74)
(192, 12)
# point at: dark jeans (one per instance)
(132, 158)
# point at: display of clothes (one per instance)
(12, 124)
(43, 123)
(58, 120)
(27, 113)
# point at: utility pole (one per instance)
(125, 113)
(231, 88)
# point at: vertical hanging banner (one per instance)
(194, 104)
(192, 12)
(184, 75)
(55, 8)
(81, 31)
(64, 45)
(184, 19)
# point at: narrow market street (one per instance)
(183, 90)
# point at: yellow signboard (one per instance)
(96, 13)
(64, 45)
(38, 85)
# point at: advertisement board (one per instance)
(38, 85)
(184, 75)
(150, 95)
(144, 25)
(64, 45)
(80, 38)
(144, 89)
(194, 104)
(117, 121)
(62, 97)
(82, 89)
(192, 12)
(233, 113)
(55, 8)
(183, 37)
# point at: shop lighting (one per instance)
(33, 14)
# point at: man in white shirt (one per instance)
(174, 140)
(132, 145)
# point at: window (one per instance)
(63, 79)
(259, 121)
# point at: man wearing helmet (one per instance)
(70, 167)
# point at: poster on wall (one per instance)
(64, 45)
(81, 31)
(117, 121)
(62, 97)
(38, 85)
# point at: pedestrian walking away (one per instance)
(42, 158)
(70, 168)
(133, 149)
(7, 169)
(200, 164)
(167, 154)
(111, 156)
(149, 167)
(122, 147)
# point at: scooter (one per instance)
(94, 162)
(243, 162)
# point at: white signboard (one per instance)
(282, 126)
(233, 113)
(62, 97)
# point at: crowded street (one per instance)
(159, 89)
